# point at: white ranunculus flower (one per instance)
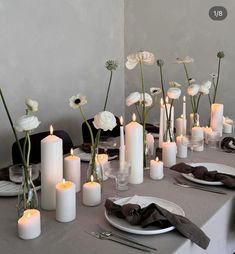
(227, 120)
(184, 60)
(174, 84)
(144, 57)
(207, 84)
(27, 123)
(174, 93)
(133, 98)
(77, 101)
(193, 89)
(32, 105)
(155, 90)
(148, 99)
(204, 90)
(104, 120)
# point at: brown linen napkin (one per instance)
(201, 172)
(156, 215)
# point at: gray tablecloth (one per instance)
(213, 213)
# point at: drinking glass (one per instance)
(192, 143)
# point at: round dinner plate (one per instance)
(137, 229)
(221, 168)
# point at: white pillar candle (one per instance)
(161, 130)
(182, 150)
(150, 143)
(51, 169)
(100, 160)
(122, 144)
(217, 117)
(72, 170)
(65, 201)
(91, 194)
(197, 131)
(227, 128)
(206, 131)
(179, 125)
(184, 117)
(29, 225)
(134, 150)
(169, 154)
(156, 169)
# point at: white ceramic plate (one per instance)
(144, 201)
(86, 156)
(10, 189)
(221, 168)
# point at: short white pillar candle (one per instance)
(91, 194)
(29, 225)
(206, 131)
(168, 153)
(217, 111)
(227, 128)
(182, 150)
(65, 201)
(156, 169)
(179, 125)
(197, 131)
(72, 170)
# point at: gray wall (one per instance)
(51, 50)
(173, 29)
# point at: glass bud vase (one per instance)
(194, 120)
(27, 196)
(93, 169)
(168, 135)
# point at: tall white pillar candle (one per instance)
(169, 154)
(134, 150)
(91, 193)
(122, 144)
(150, 144)
(72, 170)
(179, 125)
(217, 111)
(51, 169)
(156, 169)
(197, 131)
(65, 201)
(29, 225)
(182, 150)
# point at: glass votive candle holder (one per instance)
(122, 176)
(213, 139)
(16, 172)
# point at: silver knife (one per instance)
(108, 233)
(113, 239)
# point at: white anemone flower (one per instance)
(77, 101)
(205, 87)
(144, 57)
(207, 84)
(133, 98)
(32, 105)
(174, 84)
(155, 91)
(174, 93)
(213, 75)
(104, 120)
(193, 89)
(26, 123)
(184, 60)
(148, 99)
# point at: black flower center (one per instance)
(77, 101)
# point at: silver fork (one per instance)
(187, 185)
(113, 239)
(107, 233)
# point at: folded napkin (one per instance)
(201, 172)
(156, 215)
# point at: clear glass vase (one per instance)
(94, 169)
(27, 196)
(168, 135)
(194, 119)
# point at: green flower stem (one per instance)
(169, 120)
(163, 93)
(209, 98)
(13, 129)
(107, 94)
(138, 112)
(217, 80)
(187, 77)
(29, 147)
(197, 104)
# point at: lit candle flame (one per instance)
(63, 181)
(71, 151)
(134, 117)
(121, 120)
(92, 178)
(28, 215)
(157, 159)
(184, 99)
(51, 130)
